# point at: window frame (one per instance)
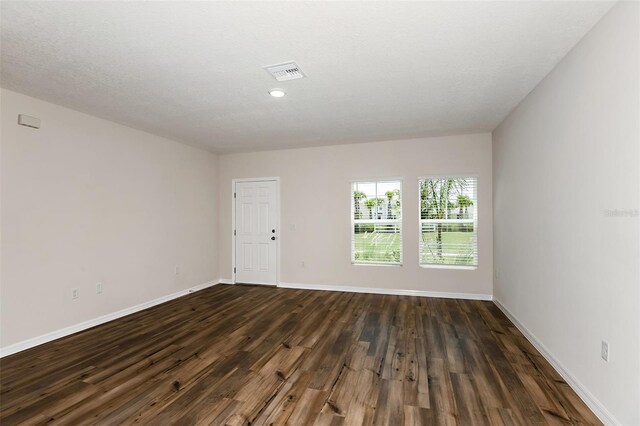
(400, 221)
(475, 221)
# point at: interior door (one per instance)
(255, 232)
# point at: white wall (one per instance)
(85, 200)
(573, 146)
(322, 236)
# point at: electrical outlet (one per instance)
(99, 288)
(75, 293)
(177, 270)
(302, 264)
(604, 350)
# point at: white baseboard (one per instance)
(397, 292)
(48, 337)
(592, 402)
(226, 281)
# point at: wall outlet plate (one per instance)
(75, 293)
(28, 121)
(99, 288)
(604, 350)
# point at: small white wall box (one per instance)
(27, 120)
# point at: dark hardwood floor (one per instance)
(247, 354)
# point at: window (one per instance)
(376, 222)
(448, 221)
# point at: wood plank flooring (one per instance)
(233, 355)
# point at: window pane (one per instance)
(447, 244)
(376, 200)
(448, 228)
(375, 242)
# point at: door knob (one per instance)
(273, 231)
(273, 238)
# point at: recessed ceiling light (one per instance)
(277, 93)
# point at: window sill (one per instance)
(375, 264)
(459, 267)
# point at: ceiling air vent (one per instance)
(284, 72)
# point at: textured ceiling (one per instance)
(192, 71)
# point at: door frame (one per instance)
(233, 224)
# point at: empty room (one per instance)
(320, 212)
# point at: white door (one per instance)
(255, 232)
